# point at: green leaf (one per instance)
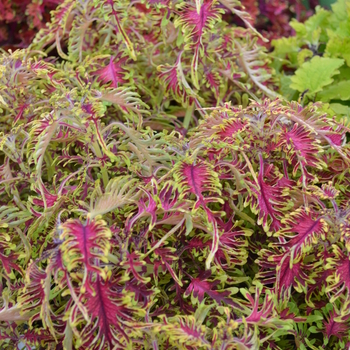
(313, 329)
(340, 9)
(338, 108)
(299, 28)
(303, 55)
(315, 74)
(339, 47)
(189, 224)
(311, 30)
(286, 90)
(285, 49)
(2, 101)
(314, 318)
(338, 91)
(285, 46)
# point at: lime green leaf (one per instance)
(286, 90)
(299, 28)
(338, 91)
(340, 9)
(313, 329)
(315, 74)
(189, 224)
(338, 108)
(311, 30)
(2, 101)
(303, 55)
(339, 47)
(285, 48)
(314, 318)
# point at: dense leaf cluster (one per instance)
(20, 20)
(316, 61)
(157, 193)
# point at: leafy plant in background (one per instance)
(121, 230)
(20, 20)
(315, 62)
(271, 18)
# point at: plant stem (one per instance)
(188, 116)
(99, 154)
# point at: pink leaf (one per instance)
(85, 246)
(339, 279)
(9, 262)
(304, 228)
(197, 179)
(200, 286)
(112, 73)
(301, 148)
(338, 329)
(269, 201)
(34, 292)
(288, 275)
(109, 314)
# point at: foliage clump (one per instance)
(146, 203)
(20, 20)
(271, 18)
(316, 61)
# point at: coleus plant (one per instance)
(271, 18)
(120, 231)
(178, 56)
(315, 62)
(20, 20)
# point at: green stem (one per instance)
(99, 154)
(164, 238)
(188, 116)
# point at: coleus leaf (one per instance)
(222, 126)
(118, 192)
(168, 196)
(269, 199)
(175, 82)
(119, 29)
(77, 44)
(200, 286)
(85, 246)
(165, 259)
(185, 330)
(301, 149)
(9, 262)
(125, 98)
(146, 207)
(195, 20)
(111, 316)
(213, 81)
(262, 313)
(197, 179)
(136, 266)
(339, 266)
(142, 292)
(113, 72)
(243, 15)
(232, 244)
(281, 273)
(332, 327)
(35, 337)
(290, 273)
(33, 297)
(309, 228)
